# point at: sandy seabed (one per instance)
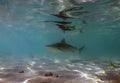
(74, 71)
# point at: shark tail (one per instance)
(81, 49)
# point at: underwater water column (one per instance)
(59, 41)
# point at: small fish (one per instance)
(65, 27)
(65, 47)
(60, 22)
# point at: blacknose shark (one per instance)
(63, 46)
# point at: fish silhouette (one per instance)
(65, 27)
(64, 47)
(62, 15)
(73, 8)
(60, 22)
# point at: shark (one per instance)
(63, 46)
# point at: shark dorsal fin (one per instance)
(63, 40)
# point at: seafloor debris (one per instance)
(113, 65)
(22, 71)
(48, 74)
(110, 76)
(52, 77)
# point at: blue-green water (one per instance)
(24, 35)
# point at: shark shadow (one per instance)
(65, 28)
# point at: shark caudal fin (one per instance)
(81, 49)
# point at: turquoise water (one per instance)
(24, 35)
